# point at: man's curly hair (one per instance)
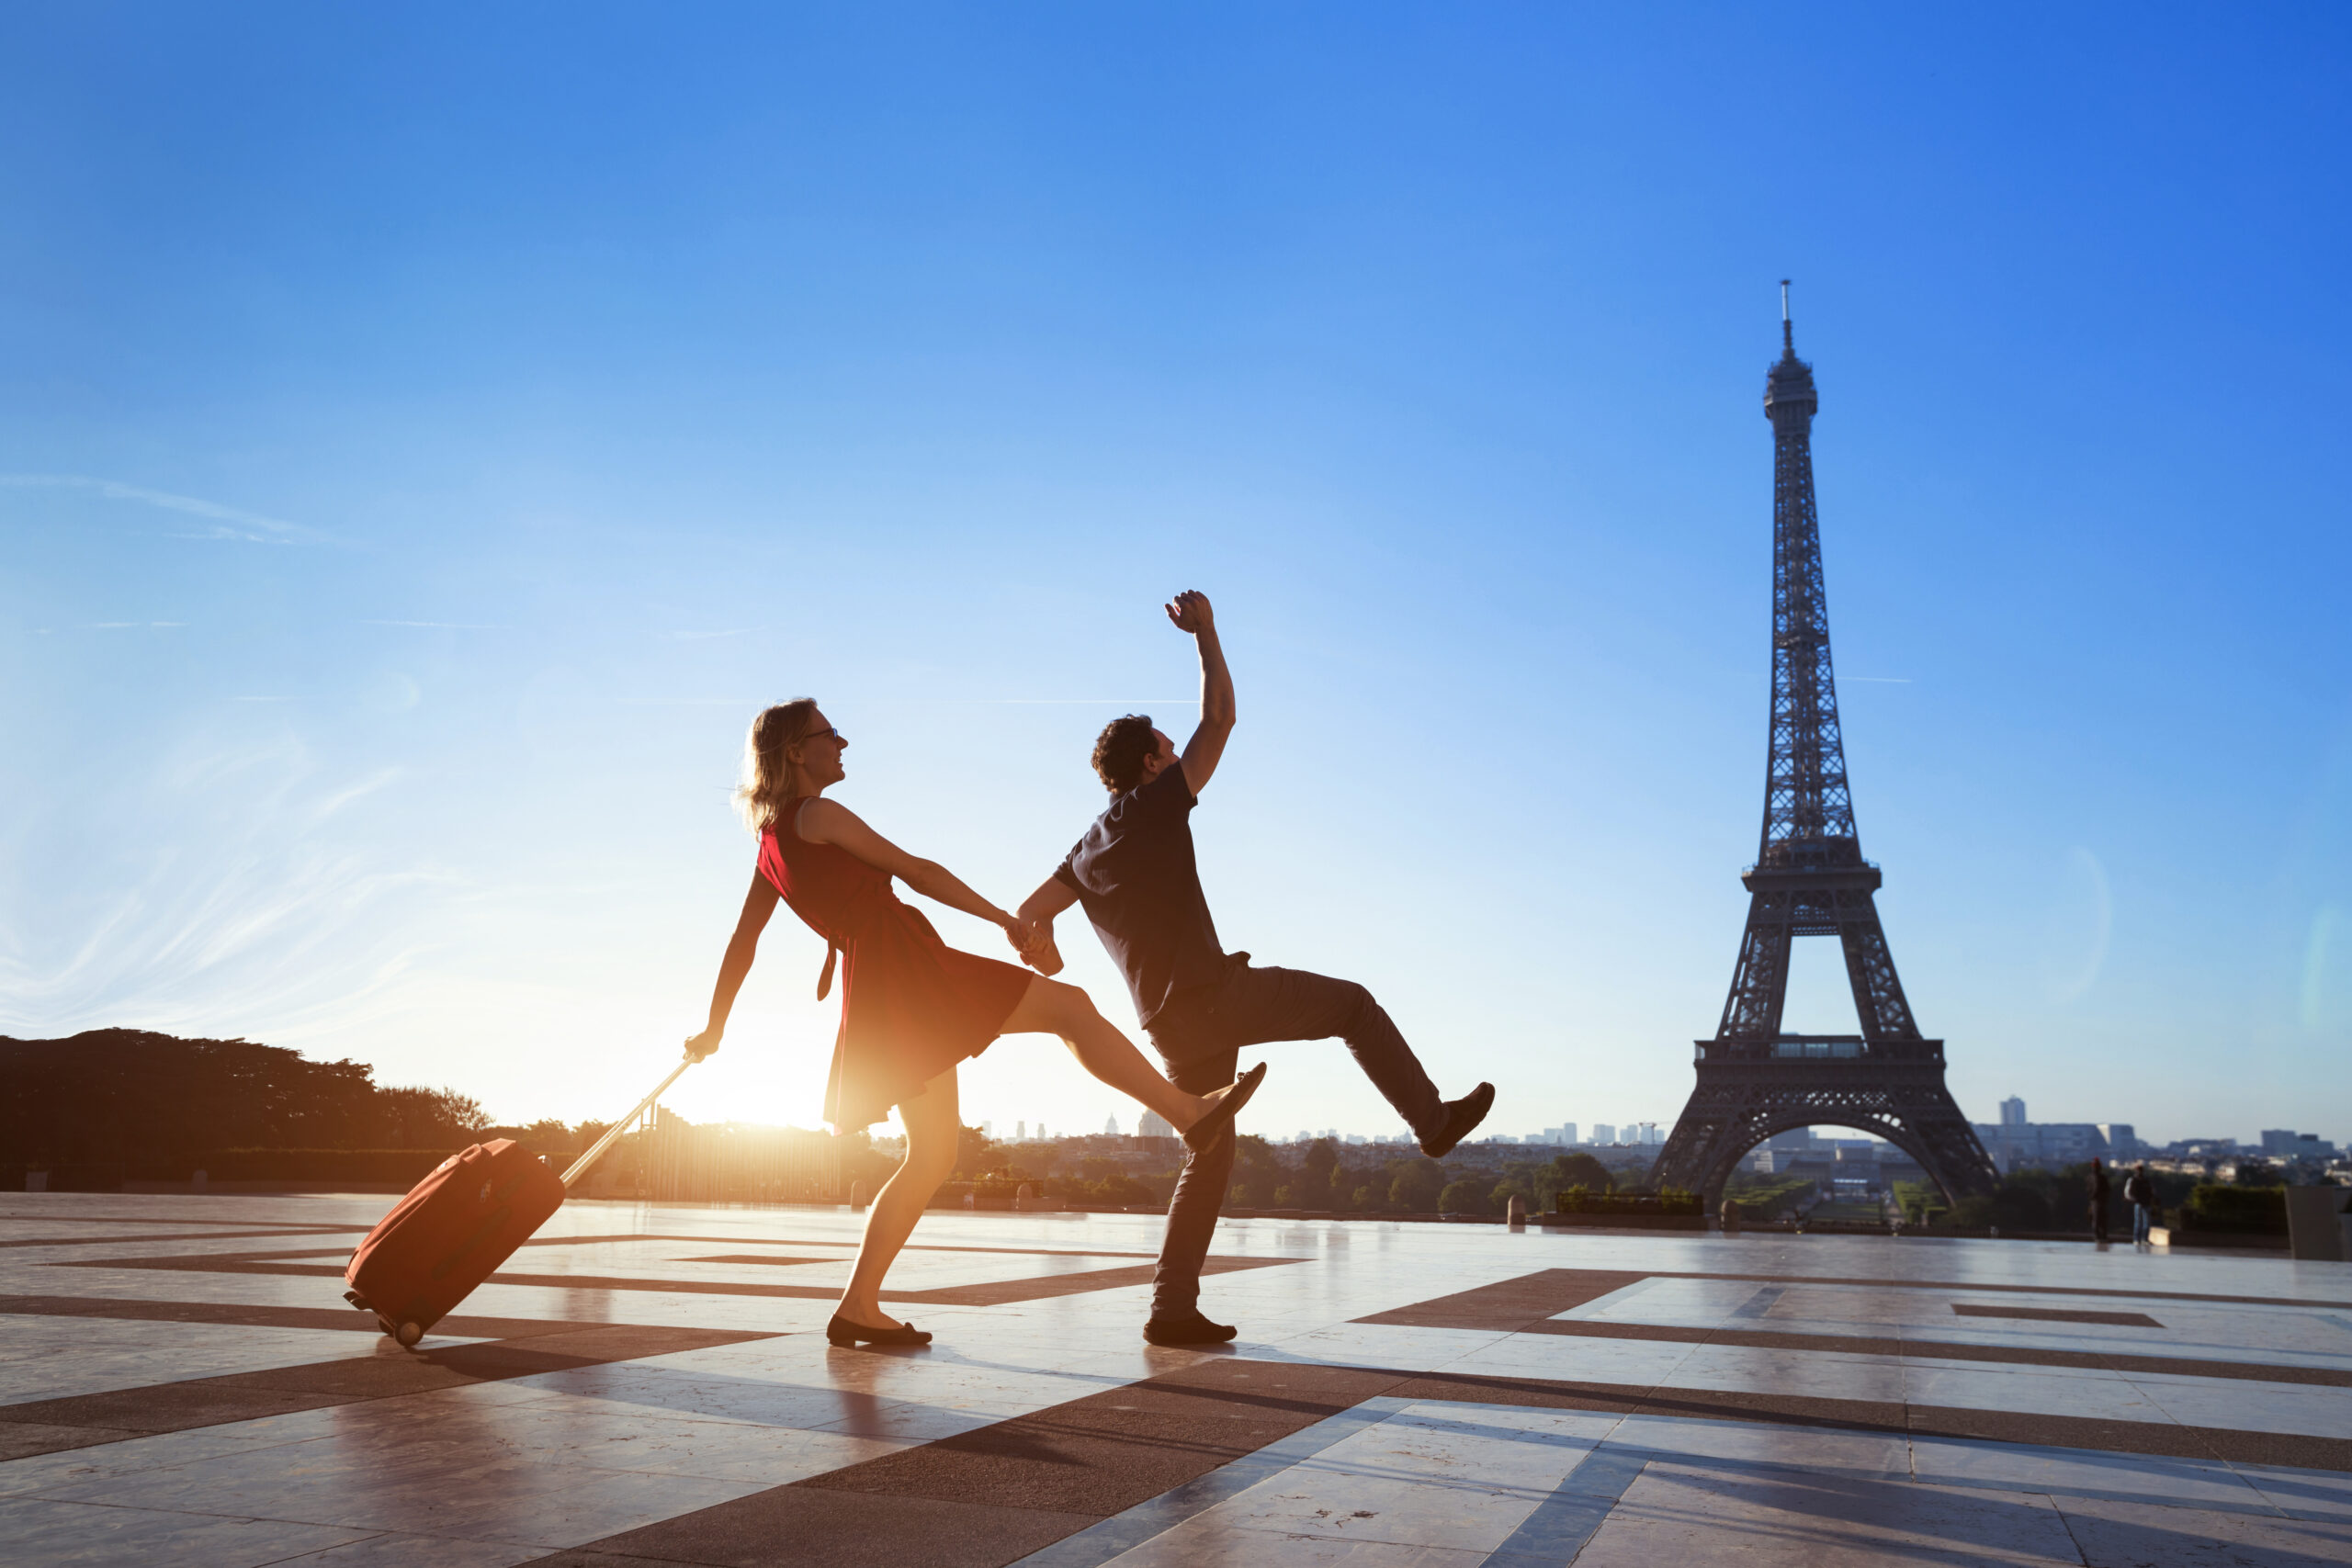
(1119, 750)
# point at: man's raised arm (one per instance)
(1191, 612)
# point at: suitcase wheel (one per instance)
(410, 1333)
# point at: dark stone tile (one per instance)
(1543, 1394)
(1311, 1386)
(22, 1439)
(2286, 1448)
(2063, 1431)
(167, 1407)
(806, 1524)
(2055, 1314)
(1781, 1409)
(1108, 1451)
(118, 1239)
(1511, 1304)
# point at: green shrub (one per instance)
(1577, 1200)
(2260, 1211)
(1463, 1198)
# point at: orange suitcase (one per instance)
(459, 1224)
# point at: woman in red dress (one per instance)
(912, 1007)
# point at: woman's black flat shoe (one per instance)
(840, 1331)
(1204, 1131)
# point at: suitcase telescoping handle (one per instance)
(595, 1151)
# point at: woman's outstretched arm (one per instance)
(758, 905)
(829, 822)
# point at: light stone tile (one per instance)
(2083, 1473)
(1387, 1345)
(391, 1551)
(2305, 1409)
(1735, 1445)
(1767, 1518)
(36, 1471)
(2302, 1494)
(2029, 1391)
(1739, 1369)
(598, 1505)
(2121, 1534)
(39, 1533)
(59, 1358)
(1210, 1538)
(1639, 1363)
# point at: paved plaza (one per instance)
(647, 1385)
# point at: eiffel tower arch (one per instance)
(1810, 879)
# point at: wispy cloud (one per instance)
(228, 521)
(1878, 679)
(444, 626)
(262, 911)
(705, 636)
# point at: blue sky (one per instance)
(427, 439)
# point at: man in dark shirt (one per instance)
(1134, 872)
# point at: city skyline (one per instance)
(400, 521)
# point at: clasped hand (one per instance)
(1034, 940)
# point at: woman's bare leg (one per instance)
(932, 1121)
(1049, 1007)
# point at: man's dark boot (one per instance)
(1190, 1328)
(1461, 1116)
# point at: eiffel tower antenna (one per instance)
(1810, 879)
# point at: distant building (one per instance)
(2123, 1142)
(1566, 1132)
(2201, 1148)
(1110, 1126)
(1603, 1133)
(2013, 1111)
(988, 1129)
(2284, 1144)
(1021, 1132)
(1154, 1125)
(2050, 1145)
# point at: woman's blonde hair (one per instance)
(766, 788)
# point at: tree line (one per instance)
(159, 1102)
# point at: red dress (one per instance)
(912, 1007)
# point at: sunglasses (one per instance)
(828, 733)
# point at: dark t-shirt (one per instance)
(1133, 873)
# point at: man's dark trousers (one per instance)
(1200, 1037)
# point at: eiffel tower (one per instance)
(1810, 879)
